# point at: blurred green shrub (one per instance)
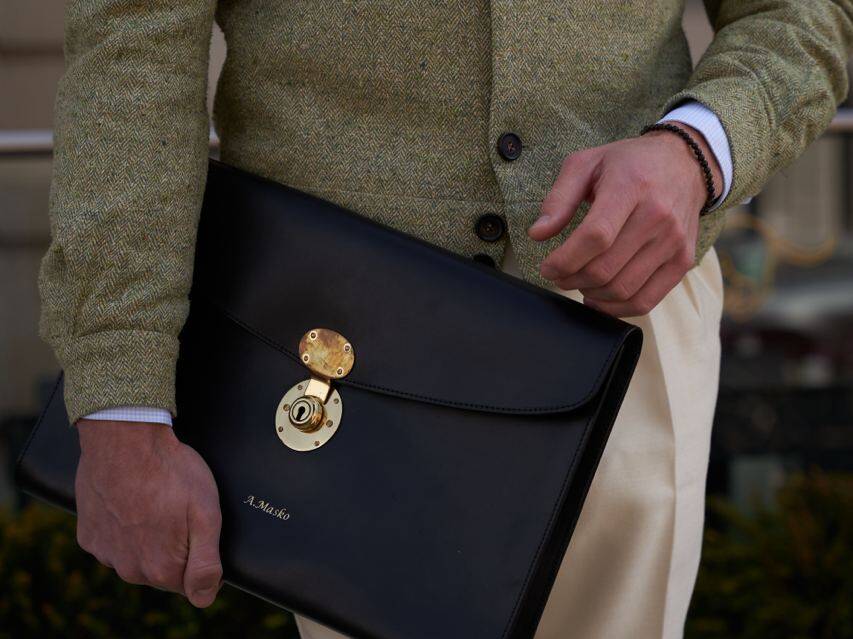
(782, 572)
(50, 588)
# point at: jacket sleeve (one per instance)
(130, 160)
(774, 75)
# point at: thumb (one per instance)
(571, 187)
(203, 573)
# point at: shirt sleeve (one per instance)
(707, 123)
(133, 414)
(774, 75)
(131, 133)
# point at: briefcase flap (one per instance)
(416, 327)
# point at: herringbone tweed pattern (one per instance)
(391, 108)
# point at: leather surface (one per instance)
(473, 419)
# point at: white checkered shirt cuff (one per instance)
(701, 118)
(133, 414)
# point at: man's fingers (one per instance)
(102, 558)
(633, 241)
(627, 282)
(87, 543)
(664, 241)
(613, 203)
(165, 574)
(571, 187)
(203, 573)
(129, 571)
(651, 293)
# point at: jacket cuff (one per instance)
(743, 115)
(118, 368)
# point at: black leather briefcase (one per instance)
(402, 438)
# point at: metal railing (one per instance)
(39, 142)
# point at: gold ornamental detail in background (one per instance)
(746, 294)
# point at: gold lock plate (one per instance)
(310, 412)
(289, 411)
(326, 353)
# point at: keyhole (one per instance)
(307, 414)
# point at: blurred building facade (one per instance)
(787, 377)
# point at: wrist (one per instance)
(688, 147)
(710, 156)
(688, 155)
(96, 433)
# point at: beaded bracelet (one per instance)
(700, 157)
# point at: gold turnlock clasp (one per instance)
(310, 412)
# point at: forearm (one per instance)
(131, 132)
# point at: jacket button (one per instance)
(509, 146)
(490, 227)
(482, 258)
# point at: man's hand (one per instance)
(638, 239)
(148, 507)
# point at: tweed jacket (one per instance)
(389, 107)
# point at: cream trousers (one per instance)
(632, 562)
